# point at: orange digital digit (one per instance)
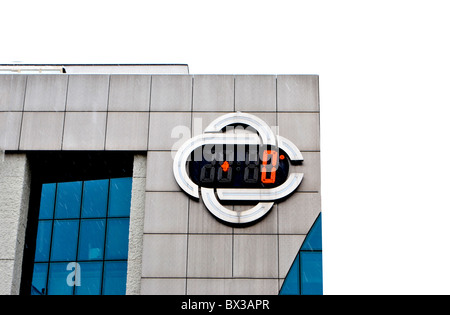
(273, 172)
(225, 166)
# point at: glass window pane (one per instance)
(101, 238)
(64, 242)
(43, 241)
(91, 278)
(92, 239)
(39, 282)
(120, 197)
(59, 279)
(95, 199)
(311, 273)
(115, 278)
(68, 200)
(117, 239)
(47, 201)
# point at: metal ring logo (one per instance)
(212, 196)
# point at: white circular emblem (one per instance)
(229, 167)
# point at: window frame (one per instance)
(65, 166)
(76, 220)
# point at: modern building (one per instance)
(145, 179)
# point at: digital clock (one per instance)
(240, 166)
(250, 167)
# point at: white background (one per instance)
(384, 71)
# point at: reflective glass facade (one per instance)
(82, 238)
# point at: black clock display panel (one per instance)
(238, 166)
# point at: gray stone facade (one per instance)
(14, 197)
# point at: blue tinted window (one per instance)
(120, 197)
(82, 246)
(39, 281)
(68, 200)
(58, 278)
(64, 242)
(311, 274)
(90, 278)
(95, 199)
(92, 239)
(117, 239)
(43, 241)
(47, 201)
(114, 282)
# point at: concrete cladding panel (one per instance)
(84, 131)
(42, 131)
(87, 93)
(46, 92)
(129, 93)
(127, 131)
(171, 93)
(298, 93)
(10, 130)
(256, 93)
(12, 91)
(213, 93)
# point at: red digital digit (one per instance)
(273, 172)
